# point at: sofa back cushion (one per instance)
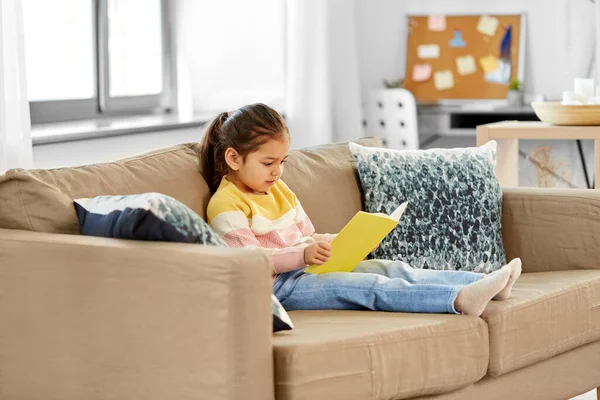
(325, 180)
(42, 200)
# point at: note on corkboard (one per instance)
(483, 53)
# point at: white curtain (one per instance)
(579, 43)
(15, 124)
(323, 102)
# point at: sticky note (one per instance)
(457, 40)
(487, 25)
(437, 23)
(428, 51)
(421, 72)
(465, 65)
(443, 80)
(488, 64)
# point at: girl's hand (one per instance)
(317, 253)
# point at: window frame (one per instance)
(102, 105)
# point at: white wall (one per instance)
(91, 151)
(81, 152)
(559, 37)
(233, 51)
(559, 47)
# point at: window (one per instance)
(92, 58)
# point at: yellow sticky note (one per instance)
(487, 25)
(421, 72)
(443, 80)
(465, 65)
(488, 63)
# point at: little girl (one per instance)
(242, 155)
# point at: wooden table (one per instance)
(507, 135)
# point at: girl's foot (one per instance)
(514, 275)
(474, 297)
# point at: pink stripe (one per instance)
(306, 227)
(280, 239)
(274, 240)
(241, 238)
(287, 259)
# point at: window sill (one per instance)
(99, 128)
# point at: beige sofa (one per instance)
(94, 318)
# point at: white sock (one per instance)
(514, 275)
(474, 297)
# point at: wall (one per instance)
(559, 47)
(559, 37)
(231, 58)
(80, 152)
(565, 158)
(231, 51)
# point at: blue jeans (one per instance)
(378, 285)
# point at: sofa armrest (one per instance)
(552, 229)
(95, 318)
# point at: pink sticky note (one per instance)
(421, 72)
(437, 22)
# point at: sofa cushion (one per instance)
(325, 180)
(547, 314)
(349, 355)
(42, 200)
(453, 218)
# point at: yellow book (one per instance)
(359, 237)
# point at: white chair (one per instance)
(391, 114)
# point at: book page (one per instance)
(399, 211)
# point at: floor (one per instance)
(588, 396)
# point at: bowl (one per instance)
(557, 114)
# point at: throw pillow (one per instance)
(147, 216)
(154, 216)
(453, 218)
(281, 319)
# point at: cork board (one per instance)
(481, 69)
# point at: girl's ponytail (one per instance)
(212, 153)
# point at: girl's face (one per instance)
(260, 169)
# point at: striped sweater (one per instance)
(274, 221)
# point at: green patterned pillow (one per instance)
(453, 218)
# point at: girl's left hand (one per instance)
(317, 253)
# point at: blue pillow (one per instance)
(155, 216)
(147, 216)
(281, 319)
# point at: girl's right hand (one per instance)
(317, 253)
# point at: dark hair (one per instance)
(244, 130)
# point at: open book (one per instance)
(359, 237)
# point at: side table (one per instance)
(508, 133)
